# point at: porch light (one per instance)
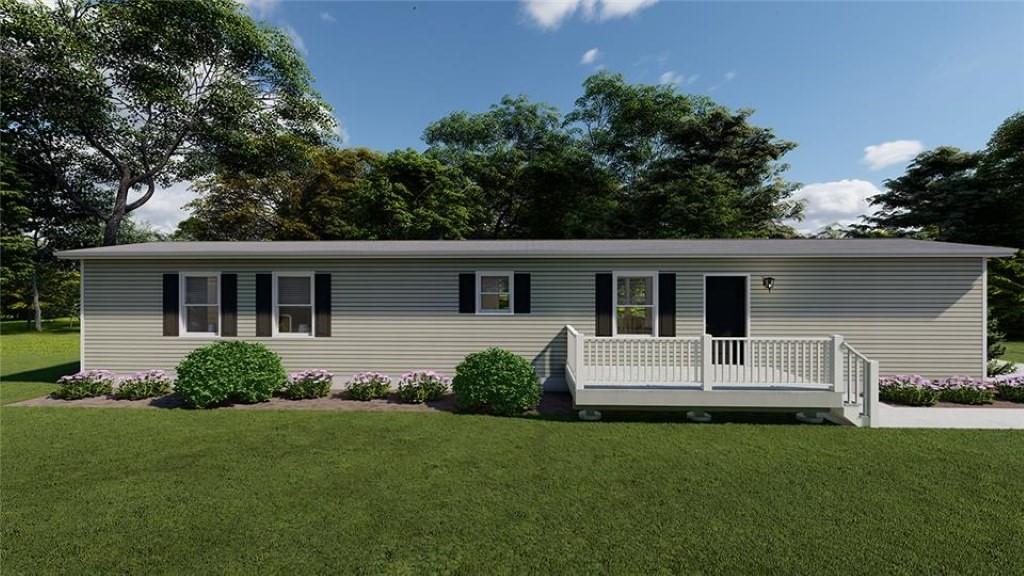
(768, 282)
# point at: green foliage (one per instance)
(146, 384)
(911, 390)
(368, 385)
(498, 381)
(422, 386)
(85, 384)
(308, 384)
(229, 371)
(116, 97)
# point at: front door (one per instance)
(725, 316)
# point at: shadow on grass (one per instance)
(48, 374)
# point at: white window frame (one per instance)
(511, 294)
(183, 331)
(312, 305)
(653, 275)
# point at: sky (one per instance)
(860, 87)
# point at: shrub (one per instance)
(145, 384)
(496, 380)
(85, 384)
(229, 370)
(1009, 387)
(912, 390)
(422, 386)
(369, 385)
(308, 384)
(965, 390)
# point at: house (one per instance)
(803, 324)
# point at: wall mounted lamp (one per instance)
(768, 282)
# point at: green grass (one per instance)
(236, 492)
(1014, 352)
(31, 362)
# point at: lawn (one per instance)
(1015, 352)
(236, 492)
(30, 362)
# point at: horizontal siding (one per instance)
(913, 315)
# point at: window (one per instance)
(293, 304)
(494, 292)
(635, 304)
(200, 303)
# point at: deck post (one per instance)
(837, 363)
(870, 400)
(705, 362)
(581, 370)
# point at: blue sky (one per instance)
(860, 87)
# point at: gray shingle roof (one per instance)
(860, 248)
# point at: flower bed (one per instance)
(965, 390)
(308, 384)
(1009, 387)
(908, 389)
(85, 384)
(422, 386)
(144, 384)
(369, 385)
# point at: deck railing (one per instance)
(820, 363)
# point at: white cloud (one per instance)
(671, 77)
(261, 8)
(842, 201)
(611, 9)
(885, 154)
(730, 76)
(166, 208)
(296, 39)
(327, 17)
(549, 14)
(590, 56)
(726, 78)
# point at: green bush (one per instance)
(85, 384)
(1010, 387)
(308, 384)
(369, 385)
(496, 380)
(147, 384)
(422, 386)
(911, 390)
(966, 390)
(229, 371)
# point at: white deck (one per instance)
(704, 372)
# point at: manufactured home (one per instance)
(751, 324)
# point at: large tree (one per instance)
(536, 181)
(128, 96)
(688, 166)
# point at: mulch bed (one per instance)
(552, 403)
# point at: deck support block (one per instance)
(810, 417)
(590, 415)
(695, 416)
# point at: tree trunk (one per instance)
(37, 310)
(111, 229)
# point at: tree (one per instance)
(340, 194)
(124, 97)
(535, 179)
(688, 167)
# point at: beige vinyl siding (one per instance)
(921, 315)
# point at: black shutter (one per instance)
(467, 293)
(521, 284)
(322, 305)
(171, 287)
(667, 305)
(603, 299)
(264, 304)
(229, 304)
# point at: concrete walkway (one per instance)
(988, 418)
